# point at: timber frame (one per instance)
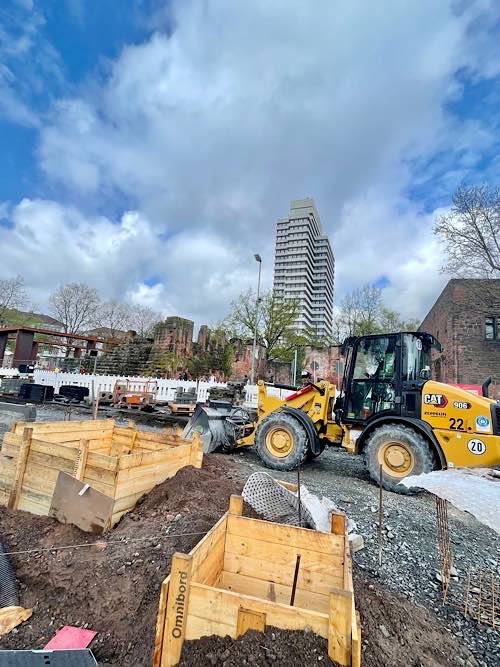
(240, 577)
(122, 463)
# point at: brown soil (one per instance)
(398, 632)
(276, 647)
(114, 591)
(114, 588)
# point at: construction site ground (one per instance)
(112, 584)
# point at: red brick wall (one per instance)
(329, 360)
(457, 321)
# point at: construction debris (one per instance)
(11, 617)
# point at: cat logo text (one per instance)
(436, 400)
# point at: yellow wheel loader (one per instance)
(387, 409)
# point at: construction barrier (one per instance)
(249, 574)
(121, 463)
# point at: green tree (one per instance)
(275, 322)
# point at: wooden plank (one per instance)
(284, 555)
(127, 502)
(41, 479)
(28, 505)
(340, 627)
(277, 573)
(54, 449)
(298, 538)
(356, 642)
(273, 592)
(36, 459)
(250, 620)
(176, 610)
(99, 475)
(100, 436)
(219, 605)
(131, 464)
(145, 483)
(202, 627)
(106, 489)
(81, 461)
(206, 544)
(160, 623)
(118, 515)
(103, 461)
(62, 426)
(210, 561)
(88, 509)
(196, 452)
(22, 459)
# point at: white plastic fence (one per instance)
(166, 388)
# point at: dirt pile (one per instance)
(280, 648)
(112, 587)
(398, 632)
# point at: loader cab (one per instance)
(384, 375)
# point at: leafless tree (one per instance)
(142, 319)
(12, 295)
(471, 232)
(114, 316)
(360, 310)
(75, 305)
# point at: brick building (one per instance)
(466, 321)
(175, 335)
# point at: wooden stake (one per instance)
(338, 523)
(22, 459)
(340, 626)
(81, 461)
(177, 609)
(236, 505)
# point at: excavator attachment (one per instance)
(219, 425)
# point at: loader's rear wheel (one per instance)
(401, 451)
(281, 441)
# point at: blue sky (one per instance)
(148, 147)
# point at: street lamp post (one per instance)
(254, 348)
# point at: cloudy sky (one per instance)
(148, 146)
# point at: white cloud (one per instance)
(213, 129)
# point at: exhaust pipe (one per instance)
(485, 387)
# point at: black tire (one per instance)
(417, 445)
(300, 441)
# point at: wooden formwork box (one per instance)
(240, 577)
(122, 463)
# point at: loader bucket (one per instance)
(209, 423)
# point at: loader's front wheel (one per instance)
(401, 451)
(281, 441)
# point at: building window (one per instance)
(492, 328)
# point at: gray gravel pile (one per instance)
(409, 555)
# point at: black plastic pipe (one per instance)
(8, 585)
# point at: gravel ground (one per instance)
(409, 557)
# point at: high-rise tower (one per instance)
(304, 267)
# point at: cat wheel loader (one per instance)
(388, 409)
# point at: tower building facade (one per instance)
(304, 267)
